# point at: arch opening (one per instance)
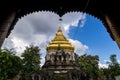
(37, 28)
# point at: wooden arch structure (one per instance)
(105, 10)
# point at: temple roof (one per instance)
(60, 40)
(59, 36)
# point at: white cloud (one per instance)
(107, 61)
(19, 45)
(42, 61)
(40, 27)
(102, 65)
(105, 64)
(118, 61)
(72, 19)
(16, 43)
(80, 49)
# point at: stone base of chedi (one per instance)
(61, 68)
(60, 62)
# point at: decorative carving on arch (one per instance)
(100, 9)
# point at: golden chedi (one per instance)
(60, 40)
(60, 56)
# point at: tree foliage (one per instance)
(114, 67)
(10, 65)
(89, 64)
(31, 60)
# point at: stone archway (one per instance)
(99, 8)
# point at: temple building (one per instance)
(60, 62)
(60, 56)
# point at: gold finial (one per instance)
(59, 29)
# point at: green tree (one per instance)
(89, 64)
(10, 65)
(31, 60)
(113, 60)
(105, 73)
(114, 67)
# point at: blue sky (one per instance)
(95, 35)
(85, 32)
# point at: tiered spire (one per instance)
(60, 40)
(59, 36)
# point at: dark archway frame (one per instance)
(105, 10)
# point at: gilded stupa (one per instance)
(60, 62)
(60, 56)
(60, 40)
